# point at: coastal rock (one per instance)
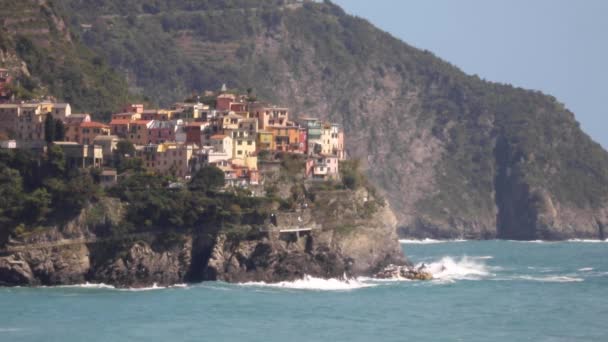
(46, 266)
(346, 239)
(404, 272)
(344, 234)
(144, 266)
(15, 271)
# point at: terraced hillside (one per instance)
(38, 47)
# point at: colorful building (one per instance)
(323, 167)
(84, 132)
(332, 140)
(223, 144)
(265, 140)
(313, 135)
(161, 131)
(138, 131)
(168, 158)
(268, 115)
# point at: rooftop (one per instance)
(93, 124)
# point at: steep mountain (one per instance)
(457, 156)
(37, 46)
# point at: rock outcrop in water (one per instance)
(346, 238)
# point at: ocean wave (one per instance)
(586, 269)
(552, 279)
(2, 330)
(132, 289)
(426, 241)
(531, 241)
(465, 268)
(89, 286)
(587, 240)
(315, 284)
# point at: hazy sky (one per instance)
(557, 46)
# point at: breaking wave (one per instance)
(552, 279)
(465, 268)
(111, 287)
(587, 240)
(315, 284)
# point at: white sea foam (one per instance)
(2, 330)
(134, 289)
(586, 269)
(587, 240)
(465, 268)
(553, 279)
(89, 286)
(483, 257)
(531, 241)
(426, 241)
(318, 284)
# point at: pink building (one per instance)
(223, 101)
(303, 141)
(160, 132)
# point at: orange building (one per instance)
(85, 132)
(286, 138)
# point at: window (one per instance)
(239, 152)
(239, 142)
(249, 142)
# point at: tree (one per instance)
(125, 148)
(59, 130)
(37, 205)
(11, 195)
(207, 178)
(352, 177)
(49, 129)
(55, 162)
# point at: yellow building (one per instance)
(168, 158)
(265, 140)
(231, 121)
(332, 140)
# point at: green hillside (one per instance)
(57, 63)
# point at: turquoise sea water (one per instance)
(484, 291)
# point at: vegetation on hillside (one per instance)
(58, 65)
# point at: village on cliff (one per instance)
(232, 133)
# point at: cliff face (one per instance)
(355, 240)
(340, 243)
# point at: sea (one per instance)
(482, 291)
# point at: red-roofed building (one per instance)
(120, 127)
(224, 101)
(85, 132)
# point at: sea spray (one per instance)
(465, 268)
(315, 284)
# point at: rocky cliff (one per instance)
(347, 238)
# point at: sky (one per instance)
(559, 47)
